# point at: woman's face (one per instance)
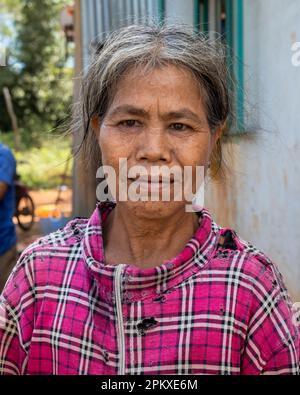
(155, 119)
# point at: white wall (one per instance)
(266, 166)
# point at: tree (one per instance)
(8, 75)
(37, 75)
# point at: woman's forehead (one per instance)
(162, 74)
(160, 86)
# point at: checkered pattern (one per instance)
(216, 310)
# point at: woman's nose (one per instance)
(153, 146)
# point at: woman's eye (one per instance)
(178, 126)
(129, 123)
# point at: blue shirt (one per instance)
(7, 203)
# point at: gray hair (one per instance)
(153, 46)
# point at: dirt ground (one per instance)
(42, 198)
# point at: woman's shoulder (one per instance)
(260, 269)
(45, 255)
(68, 235)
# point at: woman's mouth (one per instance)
(153, 180)
(152, 185)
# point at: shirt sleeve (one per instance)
(16, 318)
(273, 338)
(12, 354)
(282, 362)
(7, 166)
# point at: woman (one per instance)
(147, 286)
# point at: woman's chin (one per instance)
(154, 209)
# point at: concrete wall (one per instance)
(263, 192)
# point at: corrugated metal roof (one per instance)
(100, 17)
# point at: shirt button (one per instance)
(160, 299)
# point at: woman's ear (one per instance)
(95, 121)
(217, 134)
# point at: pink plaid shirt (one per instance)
(210, 310)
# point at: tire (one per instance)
(25, 208)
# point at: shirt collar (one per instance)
(143, 283)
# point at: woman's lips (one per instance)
(154, 180)
(152, 185)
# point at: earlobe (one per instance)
(95, 121)
(219, 132)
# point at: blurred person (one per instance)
(146, 287)
(7, 208)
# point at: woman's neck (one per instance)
(146, 243)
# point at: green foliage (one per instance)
(42, 167)
(28, 140)
(36, 73)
